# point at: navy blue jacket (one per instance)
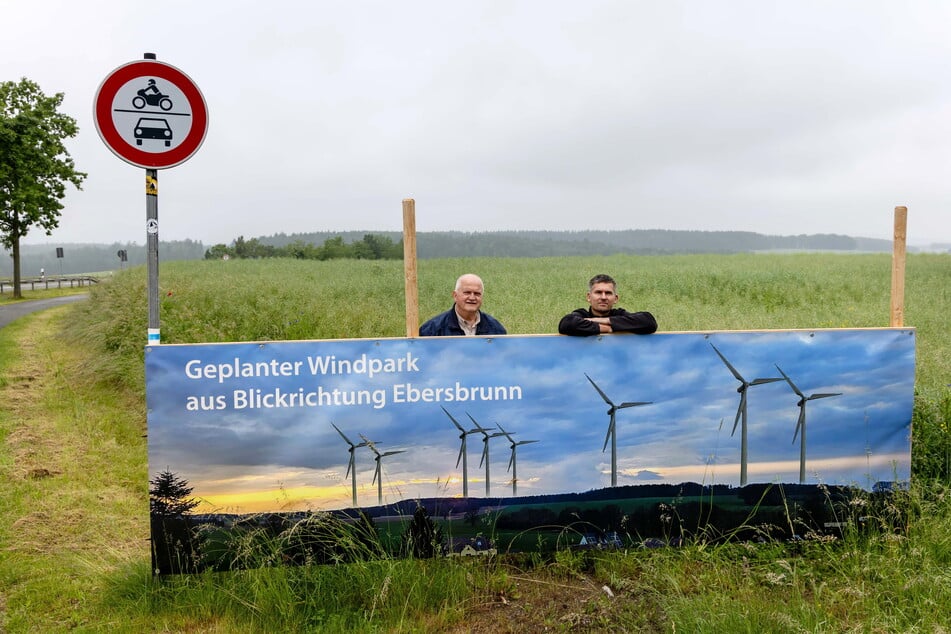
(447, 325)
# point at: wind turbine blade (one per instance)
(635, 404)
(800, 422)
(607, 436)
(372, 447)
(349, 467)
(791, 384)
(815, 396)
(739, 411)
(729, 365)
(462, 450)
(505, 433)
(603, 395)
(476, 423)
(342, 434)
(762, 381)
(525, 442)
(454, 421)
(390, 453)
(511, 460)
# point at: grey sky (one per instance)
(774, 117)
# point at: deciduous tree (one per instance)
(34, 164)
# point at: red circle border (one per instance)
(102, 111)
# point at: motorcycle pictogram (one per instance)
(152, 96)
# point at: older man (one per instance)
(464, 318)
(602, 316)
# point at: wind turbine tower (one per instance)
(463, 452)
(741, 411)
(351, 465)
(801, 423)
(612, 427)
(485, 448)
(513, 461)
(378, 472)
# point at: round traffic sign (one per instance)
(150, 114)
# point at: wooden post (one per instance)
(898, 268)
(410, 280)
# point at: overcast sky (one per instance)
(774, 117)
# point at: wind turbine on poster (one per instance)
(801, 423)
(485, 448)
(463, 452)
(378, 472)
(513, 461)
(612, 426)
(351, 464)
(741, 416)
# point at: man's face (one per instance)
(468, 298)
(602, 298)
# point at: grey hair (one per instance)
(602, 278)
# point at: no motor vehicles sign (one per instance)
(150, 114)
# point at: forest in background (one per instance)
(91, 258)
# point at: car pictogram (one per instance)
(153, 128)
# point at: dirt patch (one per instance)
(540, 601)
(40, 473)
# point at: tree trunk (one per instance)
(15, 240)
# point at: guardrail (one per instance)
(49, 281)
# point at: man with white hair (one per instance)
(465, 317)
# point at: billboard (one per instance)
(312, 426)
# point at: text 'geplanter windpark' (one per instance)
(327, 397)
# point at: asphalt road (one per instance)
(10, 312)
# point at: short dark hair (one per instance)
(601, 278)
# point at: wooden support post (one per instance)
(898, 268)
(410, 281)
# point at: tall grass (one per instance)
(892, 579)
(217, 301)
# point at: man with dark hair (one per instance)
(602, 317)
(464, 318)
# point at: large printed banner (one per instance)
(322, 425)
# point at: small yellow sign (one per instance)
(151, 185)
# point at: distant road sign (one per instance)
(150, 114)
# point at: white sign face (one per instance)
(151, 114)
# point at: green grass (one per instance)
(73, 481)
(7, 296)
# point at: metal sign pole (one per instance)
(151, 230)
(151, 233)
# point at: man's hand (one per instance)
(604, 323)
